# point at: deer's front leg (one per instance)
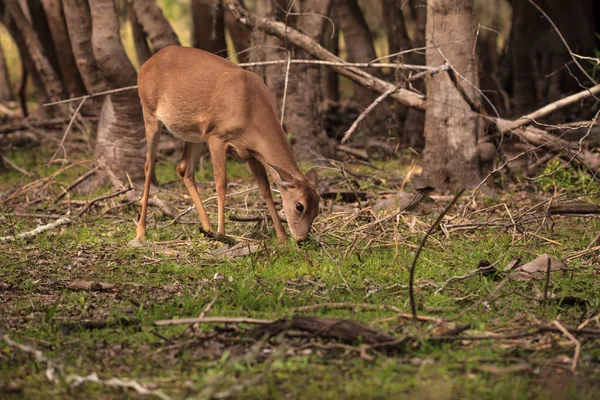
(218, 155)
(265, 190)
(186, 168)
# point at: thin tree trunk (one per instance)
(37, 16)
(121, 139)
(451, 159)
(142, 50)
(157, 28)
(208, 30)
(62, 46)
(27, 40)
(359, 42)
(6, 91)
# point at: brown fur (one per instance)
(201, 97)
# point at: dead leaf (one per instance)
(239, 250)
(536, 269)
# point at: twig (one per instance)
(213, 320)
(366, 112)
(14, 166)
(573, 340)
(344, 64)
(76, 182)
(98, 199)
(64, 137)
(87, 96)
(411, 278)
(36, 231)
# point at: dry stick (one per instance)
(365, 306)
(76, 182)
(87, 96)
(106, 196)
(36, 231)
(14, 166)
(62, 141)
(213, 320)
(411, 277)
(573, 340)
(366, 112)
(423, 68)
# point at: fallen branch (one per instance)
(76, 182)
(332, 328)
(212, 320)
(36, 231)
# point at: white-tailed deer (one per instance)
(200, 97)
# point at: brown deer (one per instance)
(200, 97)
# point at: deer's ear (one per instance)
(312, 177)
(282, 177)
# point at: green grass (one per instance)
(40, 309)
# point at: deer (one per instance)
(203, 98)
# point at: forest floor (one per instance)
(79, 300)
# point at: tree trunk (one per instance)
(304, 93)
(157, 28)
(538, 57)
(6, 91)
(26, 38)
(62, 46)
(79, 24)
(140, 42)
(121, 138)
(35, 13)
(451, 159)
(208, 30)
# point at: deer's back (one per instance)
(195, 94)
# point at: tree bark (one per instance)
(37, 16)
(450, 158)
(121, 139)
(6, 91)
(79, 24)
(62, 46)
(157, 28)
(304, 93)
(208, 30)
(33, 54)
(140, 42)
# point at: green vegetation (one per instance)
(108, 328)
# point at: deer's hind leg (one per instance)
(186, 169)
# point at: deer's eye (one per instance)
(299, 208)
